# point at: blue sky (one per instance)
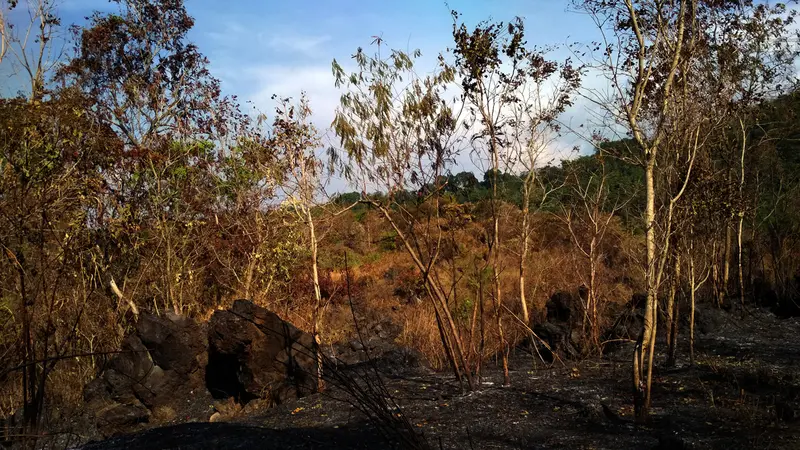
(261, 48)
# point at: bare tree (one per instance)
(36, 48)
(645, 56)
(544, 94)
(588, 219)
(296, 143)
(398, 132)
(513, 95)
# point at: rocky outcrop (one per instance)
(171, 367)
(253, 353)
(159, 366)
(558, 338)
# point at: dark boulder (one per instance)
(160, 364)
(560, 306)
(399, 360)
(558, 340)
(253, 353)
(174, 342)
(130, 367)
(709, 318)
(638, 300)
(118, 418)
(764, 293)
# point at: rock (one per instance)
(708, 318)
(125, 370)
(786, 412)
(253, 353)
(559, 306)
(117, 418)
(557, 338)
(356, 345)
(764, 293)
(174, 342)
(254, 407)
(227, 407)
(638, 300)
(628, 325)
(164, 414)
(155, 373)
(399, 360)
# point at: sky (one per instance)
(266, 47)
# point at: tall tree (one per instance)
(154, 89)
(659, 58)
(398, 132)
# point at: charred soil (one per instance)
(743, 392)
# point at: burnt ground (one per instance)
(743, 393)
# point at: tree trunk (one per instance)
(739, 262)
(692, 292)
(448, 346)
(317, 319)
(741, 216)
(523, 256)
(672, 313)
(437, 296)
(482, 344)
(726, 267)
(495, 254)
(715, 271)
(248, 276)
(646, 341)
(592, 297)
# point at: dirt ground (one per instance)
(743, 393)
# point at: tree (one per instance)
(398, 134)
(295, 141)
(662, 57)
(52, 155)
(155, 91)
(34, 51)
(587, 219)
(646, 62)
(488, 89)
(544, 94)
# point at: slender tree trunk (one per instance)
(438, 296)
(739, 262)
(692, 293)
(496, 267)
(715, 271)
(248, 276)
(592, 297)
(673, 310)
(482, 345)
(523, 256)
(646, 342)
(317, 319)
(448, 346)
(741, 217)
(474, 323)
(726, 267)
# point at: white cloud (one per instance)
(291, 81)
(293, 43)
(232, 34)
